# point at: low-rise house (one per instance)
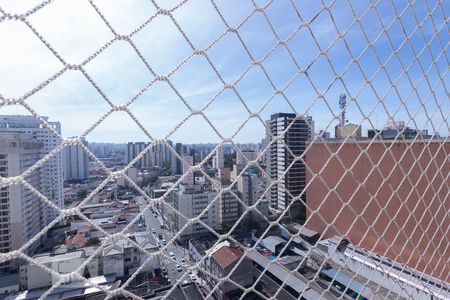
(123, 257)
(199, 246)
(221, 264)
(32, 276)
(120, 259)
(74, 290)
(78, 240)
(273, 243)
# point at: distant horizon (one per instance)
(363, 133)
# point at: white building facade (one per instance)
(21, 211)
(51, 175)
(218, 160)
(76, 166)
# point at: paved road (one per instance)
(153, 224)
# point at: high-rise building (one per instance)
(247, 188)
(293, 131)
(129, 152)
(138, 148)
(243, 157)
(189, 162)
(179, 150)
(191, 201)
(159, 155)
(52, 171)
(179, 165)
(21, 211)
(76, 166)
(218, 160)
(101, 150)
(228, 203)
(132, 174)
(132, 150)
(229, 212)
(250, 188)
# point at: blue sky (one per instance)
(75, 31)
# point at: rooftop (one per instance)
(48, 257)
(68, 291)
(226, 256)
(203, 244)
(294, 228)
(7, 280)
(271, 242)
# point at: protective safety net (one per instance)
(327, 175)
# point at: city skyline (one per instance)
(74, 101)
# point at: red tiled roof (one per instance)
(225, 256)
(78, 240)
(84, 229)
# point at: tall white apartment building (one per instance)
(294, 132)
(101, 149)
(158, 156)
(161, 156)
(218, 160)
(132, 150)
(51, 174)
(76, 166)
(21, 211)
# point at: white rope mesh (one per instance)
(414, 89)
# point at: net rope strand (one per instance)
(327, 7)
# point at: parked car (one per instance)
(179, 268)
(171, 254)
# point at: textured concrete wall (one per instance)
(394, 199)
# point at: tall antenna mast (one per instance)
(342, 104)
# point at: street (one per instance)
(153, 221)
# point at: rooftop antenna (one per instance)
(342, 104)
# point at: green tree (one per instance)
(94, 241)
